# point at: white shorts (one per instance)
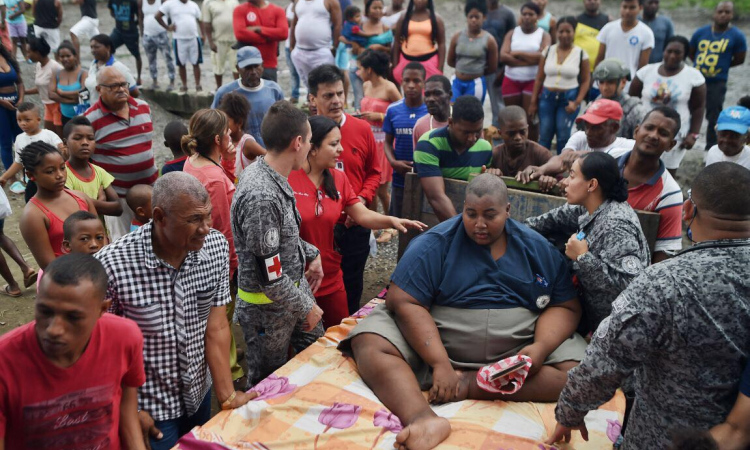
(188, 51)
(87, 27)
(51, 35)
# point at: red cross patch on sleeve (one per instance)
(269, 268)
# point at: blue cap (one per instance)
(248, 56)
(734, 118)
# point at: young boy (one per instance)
(29, 120)
(627, 39)
(82, 175)
(237, 109)
(139, 200)
(732, 132)
(173, 133)
(71, 375)
(517, 151)
(398, 125)
(185, 16)
(83, 232)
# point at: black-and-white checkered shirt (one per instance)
(171, 307)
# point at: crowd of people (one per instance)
(265, 215)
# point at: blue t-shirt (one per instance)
(663, 30)
(12, 7)
(713, 52)
(399, 122)
(444, 267)
(745, 381)
(350, 36)
(260, 98)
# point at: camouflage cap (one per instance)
(611, 69)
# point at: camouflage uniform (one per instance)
(633, 112)
(682, 328)
(275, 295)
(618, 251)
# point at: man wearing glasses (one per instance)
(123, 129)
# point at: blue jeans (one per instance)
(553, 119)
(174, 429)
(10, 130)
(293, 74)
(358, 86)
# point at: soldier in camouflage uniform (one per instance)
(607, 246)
(612, 76)
(681, 327)
(278, 308)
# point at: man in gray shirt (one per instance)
(661, 26)
(499, 21)
(680, 328)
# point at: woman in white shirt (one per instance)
(675, 84)
(521, 52)
(562, 82)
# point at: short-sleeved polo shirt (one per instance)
(445, 267)
(435, 157)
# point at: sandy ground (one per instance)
(16, 311)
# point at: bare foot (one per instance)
(424, 433)
(464, 383)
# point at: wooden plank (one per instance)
(524, 204)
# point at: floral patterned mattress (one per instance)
(318, 401)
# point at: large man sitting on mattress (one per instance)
(475, 289)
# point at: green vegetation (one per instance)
(740, 6)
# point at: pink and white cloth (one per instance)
(507, 384)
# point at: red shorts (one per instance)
(512, 87)
(52, 113)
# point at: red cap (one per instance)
(600, 111)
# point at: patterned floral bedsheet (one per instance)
(318, 401)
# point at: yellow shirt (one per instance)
(585, 37)
(219, 14)
(100, 179)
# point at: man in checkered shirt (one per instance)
(171, 277)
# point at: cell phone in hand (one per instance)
(508, 370)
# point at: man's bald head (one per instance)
(109, 75)
(488, 185)
(721, 190)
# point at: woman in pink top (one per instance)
(379, 92)
(211, 161)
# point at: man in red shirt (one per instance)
(70, 378)
(262, 25)
(360, 162)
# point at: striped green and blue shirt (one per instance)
(434, 157)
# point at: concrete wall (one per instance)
(183, 104)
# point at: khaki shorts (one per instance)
(224, 59)
(473, 338)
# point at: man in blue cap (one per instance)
(260, 93)
(732, 136)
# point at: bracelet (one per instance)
(228, 401)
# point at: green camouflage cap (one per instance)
(611, 69)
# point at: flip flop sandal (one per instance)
(6, 291)
(29, 280)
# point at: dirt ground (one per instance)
(17, 311)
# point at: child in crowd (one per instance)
(732, 137)
(29, 120)
(42, 220)
(83, 232)
(173, 133)
(351, 33)
(83, 176)
(16, 23)
(184, 17)
(473, 52)
(237, 109)
(139, 200)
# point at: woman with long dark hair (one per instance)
(607, 246)
(11, 94)
(419, 36)
(323, 194)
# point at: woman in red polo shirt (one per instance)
(323, 194)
